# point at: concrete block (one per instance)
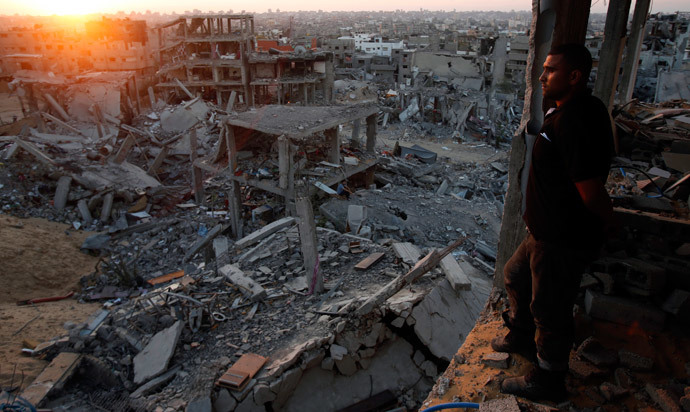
(592, 350)
(624, 311)
(337, 352)
(346, 365)
(429, 369)
(634, 361)
(508, 404)
(263, 394)
(584, 370)
(662, 398)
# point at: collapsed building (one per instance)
(215, 55)
(214, 302)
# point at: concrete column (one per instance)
(354, 142)
(283, 162)
(611, 51)
(197, 174)
(632, 51)
(307, 235)
(234, 195)
(333, 145)
(371, 133)
(548, 24)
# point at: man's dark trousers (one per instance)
(542, 281)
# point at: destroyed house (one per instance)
(207, 54)
(291, 77)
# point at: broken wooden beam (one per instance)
(264, 232)
(423, 266)
(367, 262)
(247, 285)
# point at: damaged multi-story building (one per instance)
(217, 57)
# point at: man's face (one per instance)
(557, 79)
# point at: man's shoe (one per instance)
(537, 385)
(511, 343)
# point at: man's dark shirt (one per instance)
(574, 144)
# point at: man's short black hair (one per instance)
(577, 56)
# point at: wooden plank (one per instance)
(166, 278)
(264, 232)
(423, 266)
(367, 262)
(53, 377)
(456, 276)
(247, 285)
(408, 252)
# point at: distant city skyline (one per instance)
(68, 7)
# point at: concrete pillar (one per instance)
(333, 145)
(234, 195)
(197, 173)
(283, 162)
(611, 51)
(307, 235)
(632, 51)
(548, 25)
(371, 133)
(354, 142)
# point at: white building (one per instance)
(372, 44)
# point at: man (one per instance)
(568, 214)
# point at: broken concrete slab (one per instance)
(247, 285)
(392, 367)
(154, 359)
(508, 404)
(445, 317)
(408, 252)
(155, 383)
(224, 402)
(264, 232)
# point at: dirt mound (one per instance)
(40, 259)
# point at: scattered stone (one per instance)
(634, 361)
(584, 370)
(337, 352)
(662, 398)
(429, 368)
(224, 402)
(507, 404)
(346, 365)
(592, 350)
(612, 392)
(199, 405)
(496, 360)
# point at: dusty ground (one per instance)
(39, 259)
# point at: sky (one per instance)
(65, 7)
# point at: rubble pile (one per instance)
(183, 300)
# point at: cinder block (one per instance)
(624, 311)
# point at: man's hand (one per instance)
(597, 201)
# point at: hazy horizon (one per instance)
(72, 7)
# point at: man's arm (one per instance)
(597, 201)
